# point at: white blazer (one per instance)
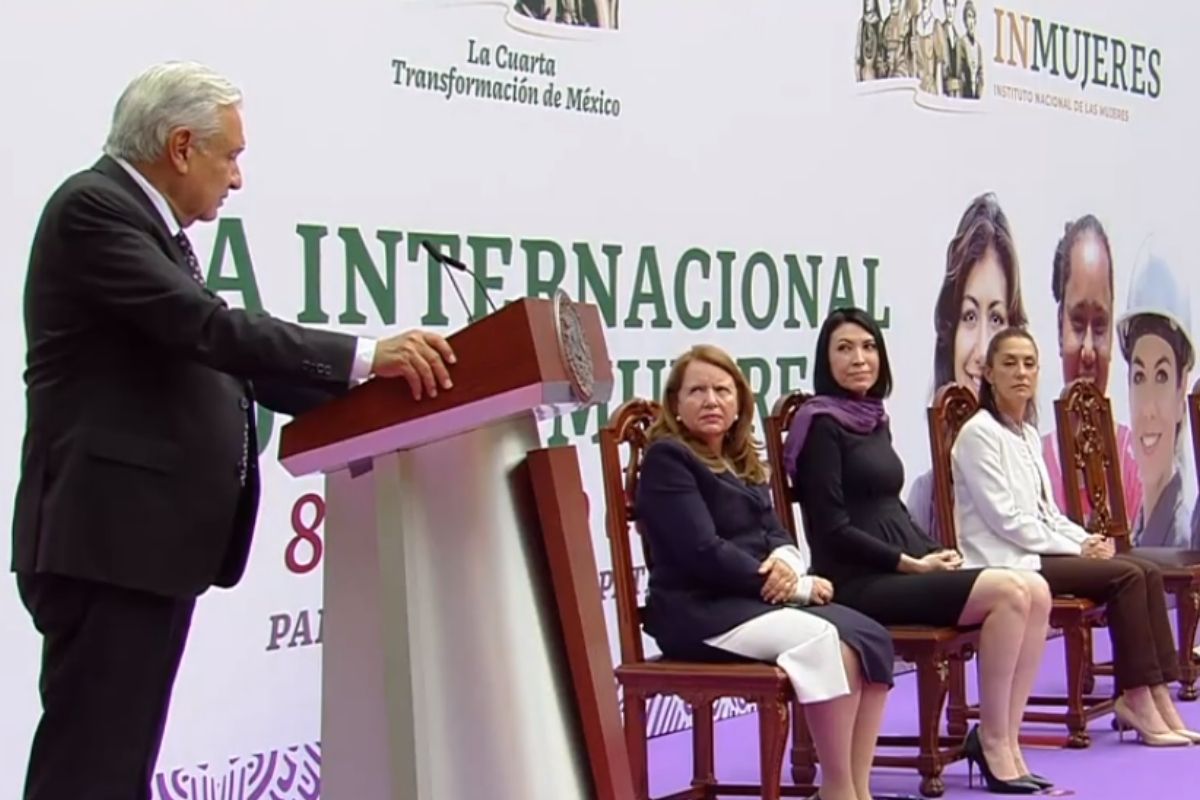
(1004, 508)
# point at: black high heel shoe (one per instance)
(973, 750)
(1037, 780)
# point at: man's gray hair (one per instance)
(166, 96)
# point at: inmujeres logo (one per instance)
(935, 49)
(1077, 55)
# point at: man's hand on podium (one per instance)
(420, 357)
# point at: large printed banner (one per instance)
(702, 171)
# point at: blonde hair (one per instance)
(739, 449)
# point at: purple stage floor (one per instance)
(1108, 769)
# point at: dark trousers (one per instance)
(1142, 644)
(109, 659)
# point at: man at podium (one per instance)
(139, 478)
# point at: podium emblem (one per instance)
(573, 347)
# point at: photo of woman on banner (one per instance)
(1156, 341)
(923, 39)
(950, 44)
(980, 296)
(1082, 283)
(896, 45)
(868, 46)
(970, 56)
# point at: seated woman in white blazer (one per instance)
(1006, 517)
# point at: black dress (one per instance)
(848, 486)
(708, 533)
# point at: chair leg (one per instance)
(1075, 638)
(634, 710)
(702, 743)
(956, 706)
(933, 672)
(1187, 615)
(1089, 664)
(804, 755)
(772, 737)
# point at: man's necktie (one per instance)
(244, 464)
(193, 264)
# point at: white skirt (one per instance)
(805, 646)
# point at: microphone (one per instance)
(441, 259)
(450, 261)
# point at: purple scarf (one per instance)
(858, 415)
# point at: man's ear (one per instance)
(180, 142)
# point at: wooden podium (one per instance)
(465, 652)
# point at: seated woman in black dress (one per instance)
(848, 478)
(727, 581)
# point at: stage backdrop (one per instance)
(703, 171)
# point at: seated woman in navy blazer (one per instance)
(1006, 517)
(848, 477)
(728, 582)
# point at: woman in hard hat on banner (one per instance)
(1156, 341)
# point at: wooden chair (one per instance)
(1091, 462)
(932, 650)
(1194, 416)
(1192, 665)
(699, 685)
(1075, 617)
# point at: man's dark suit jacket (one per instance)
(708, 534)
(139, 382)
